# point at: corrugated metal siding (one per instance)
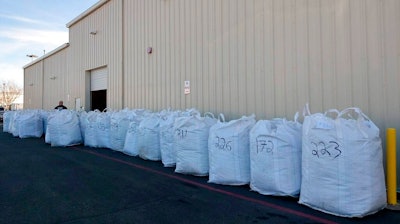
(33, 86)
(88, 52)
(45, 81)
(55, 77)
(267, 57)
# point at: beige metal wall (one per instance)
(88, 52)
(45, 80)
(33, 86)
(267, 57)
(55, 75)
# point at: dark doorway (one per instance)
(98, 99)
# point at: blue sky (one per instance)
(33, 27)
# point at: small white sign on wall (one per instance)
(187, 87)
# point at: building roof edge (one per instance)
(58, 49)
(87, 12)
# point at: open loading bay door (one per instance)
(98, 89)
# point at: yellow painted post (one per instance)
(391, 166)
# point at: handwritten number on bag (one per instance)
(264, 144)
(181, 133)
(336, 148)
(223, 144)
(321, 149)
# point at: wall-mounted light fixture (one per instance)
(52, 77)
(31, 84)
(94, 32)
(31, 56)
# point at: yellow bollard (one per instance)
(391, 166)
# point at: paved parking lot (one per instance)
(44, 184)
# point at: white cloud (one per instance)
(34, 36)
(24, 19)
(21, 42)
(31, 28)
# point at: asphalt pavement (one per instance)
(78, 184)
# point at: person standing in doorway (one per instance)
(60, 106)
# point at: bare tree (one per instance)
(9, 92)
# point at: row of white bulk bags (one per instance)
(108, 129)
(63, 128)
(191, 144)
(150, 135)
(275, 157)
(342, 164)
(229, 151)
(24, 123)
(31, 120)
(334, 162)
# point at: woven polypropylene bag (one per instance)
(275, 157)
(191, 144)
(342, 164)
(229, 151)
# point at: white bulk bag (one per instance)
(342, 167)
(63, 128)
(102, 129)
(119, 126)
(168, 154)
(30, 124)
(14, 128)
(47, 137)
(148, 138)
(275, 157)
(7, 116)
(90, 123)
(131, 138)
(191, 144)
(229, 153)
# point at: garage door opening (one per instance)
(98, 99)
(97, 89)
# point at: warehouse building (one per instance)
(237, 57)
